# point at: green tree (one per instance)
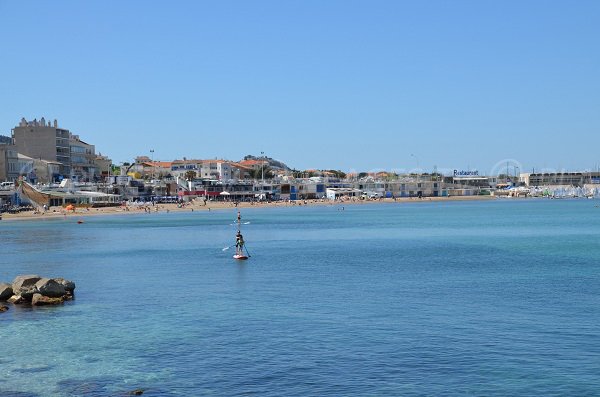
(338, 173)
(259, 172)
(190, 175)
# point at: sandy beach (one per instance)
(198, 205)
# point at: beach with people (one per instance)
(200, 205)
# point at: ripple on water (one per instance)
(5, 393)
(492, 299)
(33, 370)
(106, 387)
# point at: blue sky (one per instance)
(351, 85)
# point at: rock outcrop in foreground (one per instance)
(37, 290)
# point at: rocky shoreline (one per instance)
(36, 291)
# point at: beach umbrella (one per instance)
(224, 193)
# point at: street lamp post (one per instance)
(418, 171)
(152, 160)
(262, 168)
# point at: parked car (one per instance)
(6, 185)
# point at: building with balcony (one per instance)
(45, 140)
(210, 169)
(578, 179)
(9, 167)
(103, 165)
(83, 157)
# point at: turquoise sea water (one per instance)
(490, 298)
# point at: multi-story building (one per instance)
(41, 140)
(223, 170)
(83, 156)
(9, 162)
(560, 178)
(46, 171)
(46, 141)
(102, 164)
(25, 165)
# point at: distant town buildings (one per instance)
(210, 169)
(578, 179)
(41, 140)
(42, 152)
(45, 140)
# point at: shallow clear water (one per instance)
(474, 298)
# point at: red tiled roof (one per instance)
(253, 162)
(162, 164)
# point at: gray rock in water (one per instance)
(68, 284)
(5, 291)
(25, 285)
(41, 300)
(49, 287)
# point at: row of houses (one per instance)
(218, 169)
(577, 179)
(317, 188)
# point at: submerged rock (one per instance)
(3, 308)
(6, 291)
(49, 287)
(25, 285)
(41, 300)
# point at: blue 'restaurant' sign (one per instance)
(466, 173)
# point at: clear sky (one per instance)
(350, 85)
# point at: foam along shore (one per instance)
(198, 205)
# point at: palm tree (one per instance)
(190, 175)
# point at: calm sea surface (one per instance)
(427, 299)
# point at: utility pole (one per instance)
(109, 167)
(262, 167)
(152, 159)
